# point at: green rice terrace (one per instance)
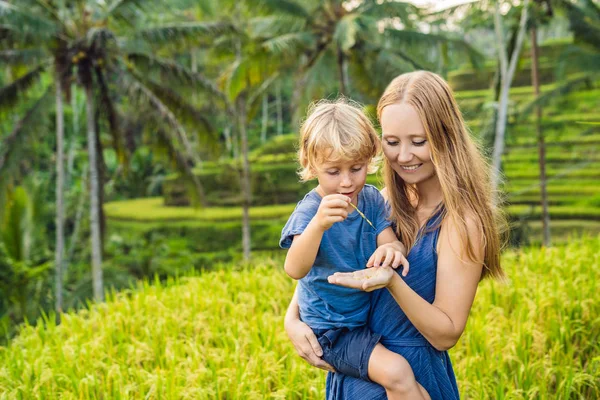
(572, 164)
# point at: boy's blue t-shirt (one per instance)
(345, 247)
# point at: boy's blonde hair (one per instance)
(336, 131)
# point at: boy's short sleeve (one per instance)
(298, 221)
(382, 213)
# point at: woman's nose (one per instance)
(404, 154)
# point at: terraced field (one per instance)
(572, 160)
(573, 169)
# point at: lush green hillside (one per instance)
(220, 336)
(573, 170)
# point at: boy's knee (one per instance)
(398, 376)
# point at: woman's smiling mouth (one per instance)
(410, 168)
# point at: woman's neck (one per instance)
(430, 193)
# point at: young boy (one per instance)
(326, 234)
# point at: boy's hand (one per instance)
(333, 208)
(389, 255)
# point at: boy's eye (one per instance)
(333, 172)
(421, 143)
(356, 169)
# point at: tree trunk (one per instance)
(540, 136)
(342, 73)
(60, 207)
(94, 196)
(279, 109)
(245, 182)
(265, 118)
(506, 75)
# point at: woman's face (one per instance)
(405, 143)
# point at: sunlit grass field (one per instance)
(219, 335)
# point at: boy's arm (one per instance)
(303, 251)
(388, 236)
(301, 255)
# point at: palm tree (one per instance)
(536, 19)
(359, 45)
(100, 43)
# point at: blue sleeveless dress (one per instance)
(432, 368)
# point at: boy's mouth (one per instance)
(349, 194)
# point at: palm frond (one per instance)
(186, 31)
(11, 93)
(25, 20)
(171, 71)
(123, 10)
(288, 7)
(387, 9)
(275, 25)
(249, 72)
(585, 24)
(289, 44)
(187, 114)
(25, 128)
(22, 56)
(346, 31)
(582, 58)
(144, 96)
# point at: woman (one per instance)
(438, 189)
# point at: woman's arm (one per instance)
(302, 337)
(443, 322)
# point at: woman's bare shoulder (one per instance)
(384, 193)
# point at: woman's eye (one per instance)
(392, 143)
(421, 143)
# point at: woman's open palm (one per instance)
(368, 279)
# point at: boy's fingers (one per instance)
(377, 259)
(370, 262)
(406, 266)
(388, 258)
(397, 259)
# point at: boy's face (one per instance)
(343, 177)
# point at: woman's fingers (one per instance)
(314, 343)
(345, 279)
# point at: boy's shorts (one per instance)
(348, 350)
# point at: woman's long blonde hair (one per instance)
(463, 172)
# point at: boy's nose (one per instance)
(346, 181)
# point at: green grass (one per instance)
(153, 209)
(220, 336)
